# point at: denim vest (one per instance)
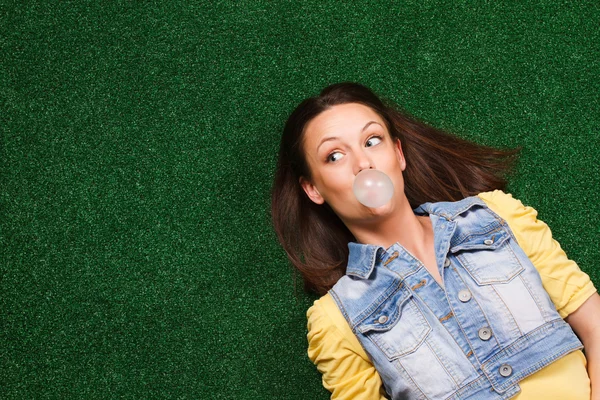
(489, 326)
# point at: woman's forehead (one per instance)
(342, 118)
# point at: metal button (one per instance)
(447, 263)
(505, 370)
(464, 295)
(485, 333)
(383, 319)
(488, 241)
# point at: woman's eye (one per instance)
(334, 156)
(373, 141)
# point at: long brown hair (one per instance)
(439, 167)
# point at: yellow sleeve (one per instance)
(347, 371)
(568, 286)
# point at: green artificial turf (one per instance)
(138, 145)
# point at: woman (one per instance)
(453, 289)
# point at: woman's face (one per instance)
(338, 144)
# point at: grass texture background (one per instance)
(138, 144)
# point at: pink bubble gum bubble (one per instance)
(373, 188)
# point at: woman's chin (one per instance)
(383, 210)
(362, 213)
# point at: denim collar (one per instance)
(449, 210)
(362, 257)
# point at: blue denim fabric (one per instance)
(489, 326)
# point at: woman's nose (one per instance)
(362, 162)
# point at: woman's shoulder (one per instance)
(507, 207)
(325, 314)
(503, 204)
(521, 219)
(328, 331)
(499, 198)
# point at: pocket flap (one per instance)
(482, 241)
(398, 327)
(387, 314)
(488, 257)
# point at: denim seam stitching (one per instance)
(509, 314)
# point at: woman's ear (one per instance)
(399, 153)
(311, 191)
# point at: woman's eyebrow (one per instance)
(369, 124)
(328, 139)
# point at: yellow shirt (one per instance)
(349, 374)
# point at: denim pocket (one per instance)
(488, 257)
(398, 327)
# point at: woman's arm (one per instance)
(568, 286)
(585, 321)
(570, 289)
(347, 371)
